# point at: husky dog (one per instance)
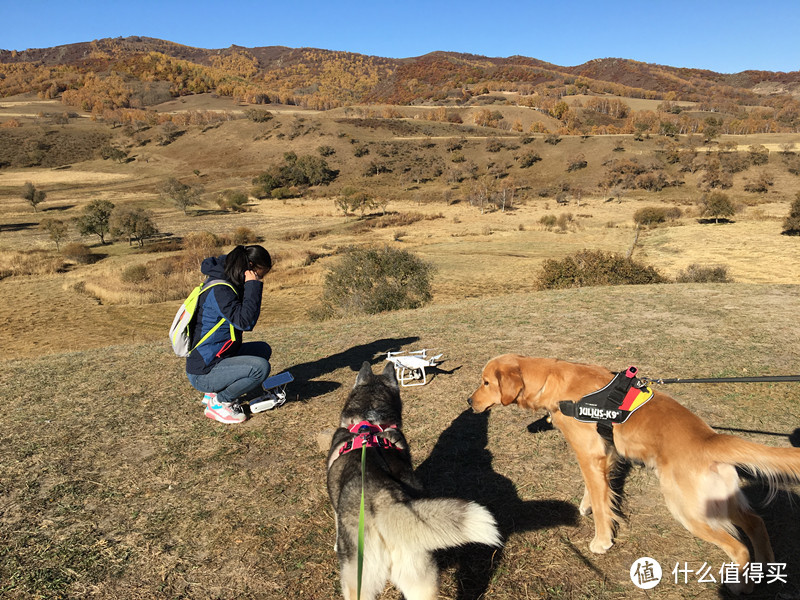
(402, 526)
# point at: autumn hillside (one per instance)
(137, 72)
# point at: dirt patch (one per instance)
(72, 176)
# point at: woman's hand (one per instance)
(255, 273)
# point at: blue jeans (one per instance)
(236, 375)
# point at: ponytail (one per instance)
(244, 258)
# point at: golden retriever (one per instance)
(696, 467)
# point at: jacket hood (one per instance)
(214, 267)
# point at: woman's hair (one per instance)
(245, 258)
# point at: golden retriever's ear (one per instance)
(509, 380)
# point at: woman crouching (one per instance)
(220, 364)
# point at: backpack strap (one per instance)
(227, 344)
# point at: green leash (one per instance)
(361, 521)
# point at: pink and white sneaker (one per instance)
(209, 397)
(224, 412)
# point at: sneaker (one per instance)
(209, 396)
(224, 412)
(267, 401)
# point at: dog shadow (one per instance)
(794, 438)
(619, 473)
(779, 511)
(460, 466)
(305, 383)
(780, 514)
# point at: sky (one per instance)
(724, 36)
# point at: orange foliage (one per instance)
(117, 75)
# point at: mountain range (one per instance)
(143, 70)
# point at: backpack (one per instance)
(180, 334)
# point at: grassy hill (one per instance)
(115, 484)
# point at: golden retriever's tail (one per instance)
(435, 523)
(775, 464)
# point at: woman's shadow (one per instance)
(460, 466)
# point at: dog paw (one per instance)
(599, 546)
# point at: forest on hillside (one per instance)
(112, 77)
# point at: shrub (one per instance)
(78, 252)
(232, 200)
(564, 220)
(758, 154)
(200, 244)
(243, 236)
(792, 162)
(282, 193)
(326, 150)
(548, 221)
(791, 225)
(576, 162)
(109, 152)
(595, 267)
(650, 215)
(529, 159)
(760, 184)
(493, 145)
(135, 274)
(258, 116)
(552, 139)
(302, 172)
(695, 273)
(163, 246)
(373, 280)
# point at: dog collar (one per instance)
(366, 434)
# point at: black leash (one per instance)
(765, 378)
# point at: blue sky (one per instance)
(725, 36)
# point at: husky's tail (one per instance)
(437, 523)
(774, 464)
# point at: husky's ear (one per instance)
(365, 374)
(390, 376)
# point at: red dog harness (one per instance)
(367, 435)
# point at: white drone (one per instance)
(409, 367)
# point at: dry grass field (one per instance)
(115, 486)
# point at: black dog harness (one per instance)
(610, 405)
